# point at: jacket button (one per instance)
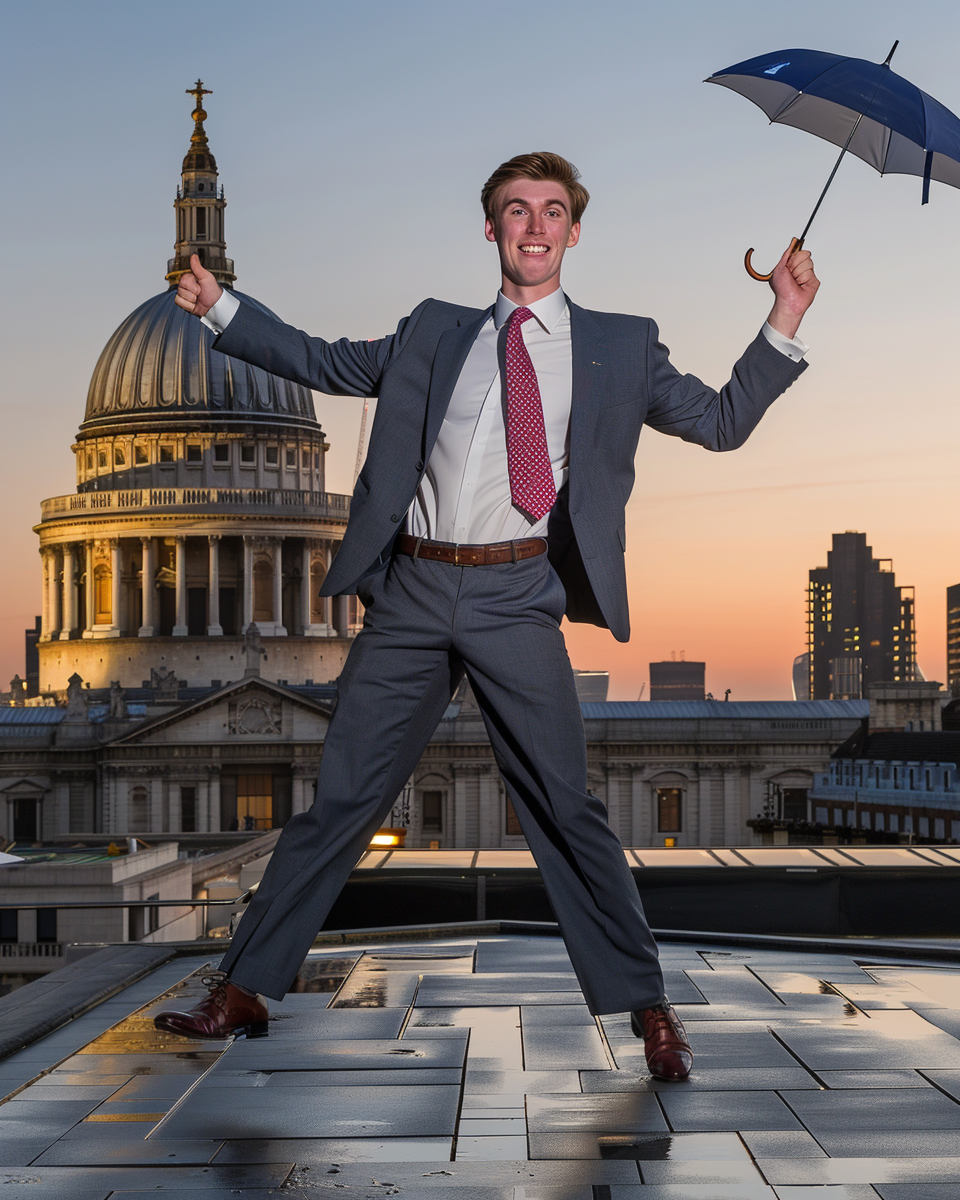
(394, 518)
(420, 465)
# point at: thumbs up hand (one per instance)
(198, 291)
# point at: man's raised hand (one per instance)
(198, 291)
(794, 284)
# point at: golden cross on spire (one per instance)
(199, 91)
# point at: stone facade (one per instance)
(245, 757)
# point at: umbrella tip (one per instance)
(886, 61)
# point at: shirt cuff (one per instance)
(793, 348)
(223, 312)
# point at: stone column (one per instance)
(148, 626)
(214, 628)
(306, 588)
(53, 594)
(642, 811)
(155, 819)
(111, 820)
(213, 804)
(180, 629)
(89, 592)
(341, 616)
(247, 582)
(69, 608)
(45, 570)
(115, 568)
(278, 626)
(301, 798)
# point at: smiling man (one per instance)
(491, 504)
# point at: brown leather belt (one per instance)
(469, 556)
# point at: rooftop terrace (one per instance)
(470, 1064)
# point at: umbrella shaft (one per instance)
(836, 167)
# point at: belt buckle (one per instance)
(456, 555)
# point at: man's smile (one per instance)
(534, 248)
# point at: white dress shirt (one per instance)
(464, 495)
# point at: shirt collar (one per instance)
(548, 310)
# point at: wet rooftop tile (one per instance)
(474, 1065)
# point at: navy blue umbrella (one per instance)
(862, 106)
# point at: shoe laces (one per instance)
(214, 981)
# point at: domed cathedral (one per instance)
(200, 508)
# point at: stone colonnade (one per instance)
(96, 566)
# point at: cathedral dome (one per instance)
(160, 364)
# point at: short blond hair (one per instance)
(542, 167)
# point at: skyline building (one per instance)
(677, 680)
(953, 640)
(801, 677)
(200, 511)
(860, 624)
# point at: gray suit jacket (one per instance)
(622, 379)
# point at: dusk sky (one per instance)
(352, 140)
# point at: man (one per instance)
(490, 504)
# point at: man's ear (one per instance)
(574, 235)
(490, 230)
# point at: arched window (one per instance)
(262, 591)
(318, 573)
(102, 598)
(138, 810)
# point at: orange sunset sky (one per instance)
(352, 141)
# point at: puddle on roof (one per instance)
(795, 983)
(322, 975)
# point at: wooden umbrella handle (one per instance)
(795, 244)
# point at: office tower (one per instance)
(801, 677)
(677, 680)
(860, 625)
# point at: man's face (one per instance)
(532, 230)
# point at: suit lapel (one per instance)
(586, 337)
(452, 350)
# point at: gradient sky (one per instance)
(352, 140)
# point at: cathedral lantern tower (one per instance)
(199, 206)
(200, 508)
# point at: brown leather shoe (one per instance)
(669, 1054)
(226, 1012)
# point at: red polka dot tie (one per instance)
(531, 476)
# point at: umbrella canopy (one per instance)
(901, 129)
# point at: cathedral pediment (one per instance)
(250, 711)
